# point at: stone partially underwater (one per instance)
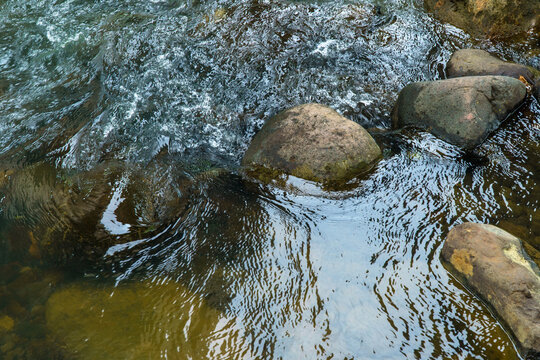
(493, 265)
(313, 142)
(462, 111)
(476, 62)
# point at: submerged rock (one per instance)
(6, 323)
(63, 217)
(492, 263)
(476, 62)
(142, 320)
(462, 111)
(492, 18)
(313, 142)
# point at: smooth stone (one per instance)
(462, 111)
(140, 320)
(491, 18)
(493, 265)
(313, 142)
(476, 62)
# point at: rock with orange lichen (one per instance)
(493, 265)
(462, 111)
(6, 323)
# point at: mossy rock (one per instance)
(493, 265)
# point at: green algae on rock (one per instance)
(462, 111)
(493, 264)
(313, 142)
(140, 321)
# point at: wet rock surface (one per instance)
(313, 142)
(492, 18)
(476, 62)
(462, 111)
(492, 263)
(129, 320)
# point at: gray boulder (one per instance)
(313, 142)
(462, 111)
(476, 62)
(493, 265)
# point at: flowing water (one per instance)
(128, 230)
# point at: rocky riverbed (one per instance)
(130, 225)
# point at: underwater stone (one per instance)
(62, 217)
(492, 264)
(491, 18)
(140, 320)
(313, 142)
(462, 111)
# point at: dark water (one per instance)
(127, 230)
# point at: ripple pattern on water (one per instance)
(115, 116)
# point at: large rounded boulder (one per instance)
(491, 18)
(462, 111)
(493, 265)
(313, 142)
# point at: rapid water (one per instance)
(128, 231)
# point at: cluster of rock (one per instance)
(310, 141)
(314, 142)
(480, 92)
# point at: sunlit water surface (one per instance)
(128, 230)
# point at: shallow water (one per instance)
(128, 230)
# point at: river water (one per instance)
(128, 230)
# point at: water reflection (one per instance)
(64, 216)
(283, 274)
(115, 120)
(155, 318)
